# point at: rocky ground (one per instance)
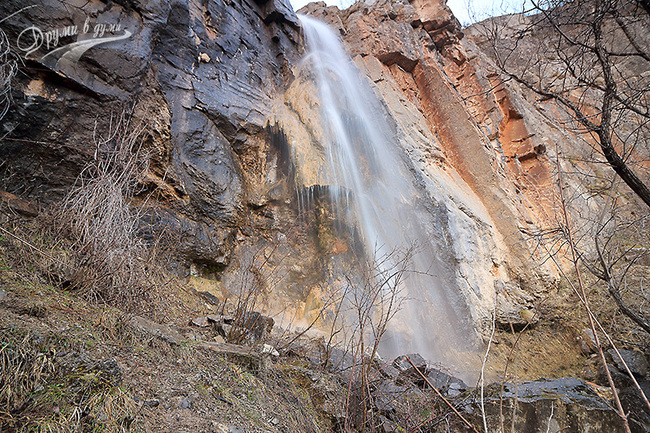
(70, 363)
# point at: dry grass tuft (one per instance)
(41, 390)
(22, 370)
(111, 263)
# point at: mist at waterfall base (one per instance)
(370, 183)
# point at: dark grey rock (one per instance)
(388, 395)
(558, 403)
(634, 404)
(636, 361)
(202, 84)
(152, 403)
(193, 242)
(446, 383)
(402, 364)
(408, 371)
(567, 389)
(280, 11)
(387, 370)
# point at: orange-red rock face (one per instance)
(470, 135)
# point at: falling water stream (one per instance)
(372, 184)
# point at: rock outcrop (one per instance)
(413, 56)
(565, 404)
(232, 131)
(197, 78)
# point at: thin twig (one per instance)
(49, 256)
(487, 352)
(548, 427)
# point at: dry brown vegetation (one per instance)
(99, 226)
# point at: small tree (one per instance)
(591, 57)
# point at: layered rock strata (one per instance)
(232, 131)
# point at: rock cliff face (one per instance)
(474, 156)
(197, 77)
(232, 135)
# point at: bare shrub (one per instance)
(371, 302)
(256, 281)
(112, 263)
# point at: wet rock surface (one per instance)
(565, 404)
(197, 82)
(412, 53)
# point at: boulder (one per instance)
(251, 327)
(201, 322)
(635, 361)
(546, 405)
(387, 370)
(446, 383)
(389, 396)
(406, 364)
(164, 332)
(242, 355)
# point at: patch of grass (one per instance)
(41, 390)
(23, 369)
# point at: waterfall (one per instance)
(372, 184)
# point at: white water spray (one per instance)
(372, 185)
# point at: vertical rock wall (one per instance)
(413, 55)
(232, 134)
(197, 77)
